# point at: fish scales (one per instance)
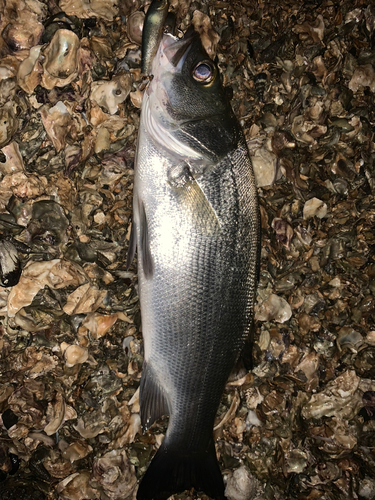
(196, 227)
(188, 305)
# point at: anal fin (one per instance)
(153, 403)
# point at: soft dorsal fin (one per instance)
(153, 402)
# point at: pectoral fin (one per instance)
(145, 252)
(198, 206)
(132, 246)
(144, 246)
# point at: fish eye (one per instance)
(204, 72)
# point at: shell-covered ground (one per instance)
(301, 423)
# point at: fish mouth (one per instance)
(177, 50)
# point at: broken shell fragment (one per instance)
(114, 475)
(8, 124)
(99, 324)
(84, 299)
(77, 450)
(209, 37)
(341, 397)
(24, 31)
(55, 415)
(241, 485)
(61, 63)
(14, 161)
(110, 94)
(315, 207)
(75, 355)
(265, 166)
(275, 308)
(30, 71)
(364, 76)
(57, 122)
(284, 231)
(77, 487)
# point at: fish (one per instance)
(153, 28)
(196, 232)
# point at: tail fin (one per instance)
(172, 472)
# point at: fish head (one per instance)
(187, 110)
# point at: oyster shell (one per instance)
(110, 94)
(105, 9)
(315, 208)
(114, 474)
(75, 354)
(30, 71)
(60, 65)
(55, 273)
(8, 124)
(134, 26)
(273, 308)
(57, 122)
(241, 485)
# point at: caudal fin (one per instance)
(171, 471)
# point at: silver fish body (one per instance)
(196, 228)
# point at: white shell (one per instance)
(75, 355)
(61, 63)
(241, 485)
(30, 71)
(314, 207)
(110, 94)
(265, 166)
(275, 308)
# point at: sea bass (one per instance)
(196, 230)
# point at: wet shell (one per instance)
(134, 27)
(30, 71)
(75, 354)
(60, 59)
(315, 208)
(105, 9)
(8, 124)
(274, 308)
(10, 266)
(241, 485)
